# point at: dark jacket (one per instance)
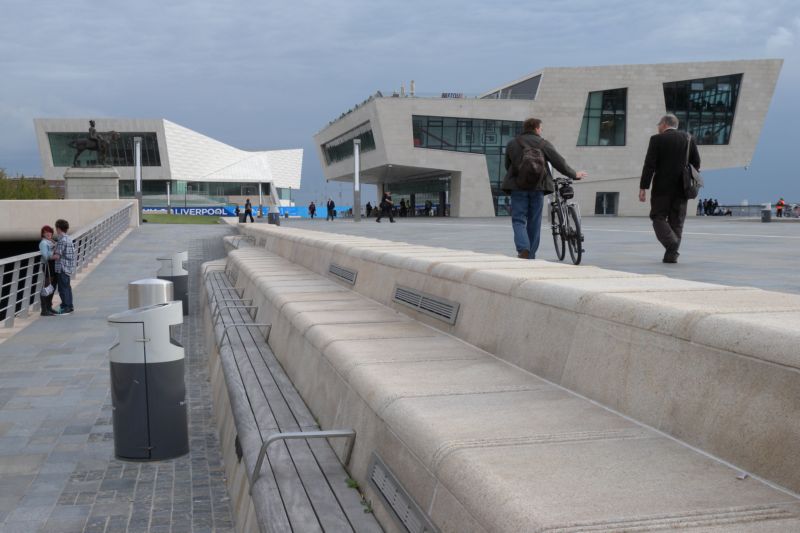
(664, 162)
(514, 154)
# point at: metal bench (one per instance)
(296, 481)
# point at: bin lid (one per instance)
(173, 265)
(150, 281)
(163, 312)
(144, 334)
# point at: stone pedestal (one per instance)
(91, 183)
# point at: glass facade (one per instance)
(341, 147)
(474, 135)
(604, 118)
(191, 192)
(524, 90)
(705, 107)
(120, 151)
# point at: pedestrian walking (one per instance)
(779, 206)
(528, 180)
(49, 283)
(248, 210)
(369, 209)
(331, 205)
(64, 257)
(403, 208)
(663, 168)
(386, 207)
(312, 209)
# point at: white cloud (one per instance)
(780, 40)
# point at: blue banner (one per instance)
(230, 211)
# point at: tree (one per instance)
(22, 188)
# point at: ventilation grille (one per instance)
(344, 274)
(427, 303)
(397, 499)
(262, 242)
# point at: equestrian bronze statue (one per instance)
(96, 142)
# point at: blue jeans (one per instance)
(526, 219)
(64, 291)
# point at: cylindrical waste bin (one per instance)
(766, 215)
(172, 270)
(274, 218)
(148, 394)
(144, 292)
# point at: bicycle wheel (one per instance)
(574, 235)
(557, 229)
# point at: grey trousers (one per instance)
(668, 214)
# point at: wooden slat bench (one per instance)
(301, 486)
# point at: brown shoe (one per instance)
(524, 254)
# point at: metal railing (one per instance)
(21, 276)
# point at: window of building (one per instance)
(604, 119)
(704, 107)
(524, 90)
(475, 135)
(605, 203)
(120, 151)
(341, 147)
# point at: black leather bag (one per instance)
(692, 180)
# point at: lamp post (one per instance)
(357, 180)
(137, 172)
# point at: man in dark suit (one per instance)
(663, 166)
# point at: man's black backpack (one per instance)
(531, 167)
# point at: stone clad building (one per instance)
(450, 150)
(199, 169)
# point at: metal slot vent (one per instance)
(262, 242)
(427, 303)
(397, 499)
(344, 274)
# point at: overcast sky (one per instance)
(267, 75)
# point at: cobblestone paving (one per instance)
(57, 469)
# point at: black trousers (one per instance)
(386, 212)
(668, 213)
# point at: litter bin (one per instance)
(148, 394)
(766, 215)
(274, 218)
(144, 292)
(172, 270)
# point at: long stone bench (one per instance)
(300, 486)
(480, 444)
(715, 366)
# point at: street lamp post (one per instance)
(357, 180)
(137, 172)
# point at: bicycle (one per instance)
(565, 221)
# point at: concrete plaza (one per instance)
(57, 467)
(725, 250)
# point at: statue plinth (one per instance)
(91, 183)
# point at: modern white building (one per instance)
(198, 169)
(450, 150)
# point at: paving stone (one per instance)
(60, 406)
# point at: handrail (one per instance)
(327, 434)
(20, 294)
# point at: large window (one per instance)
(475, 135)
(524, 90)
(604, 119)
(120, 151)
(341, 147)
(704, 107)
